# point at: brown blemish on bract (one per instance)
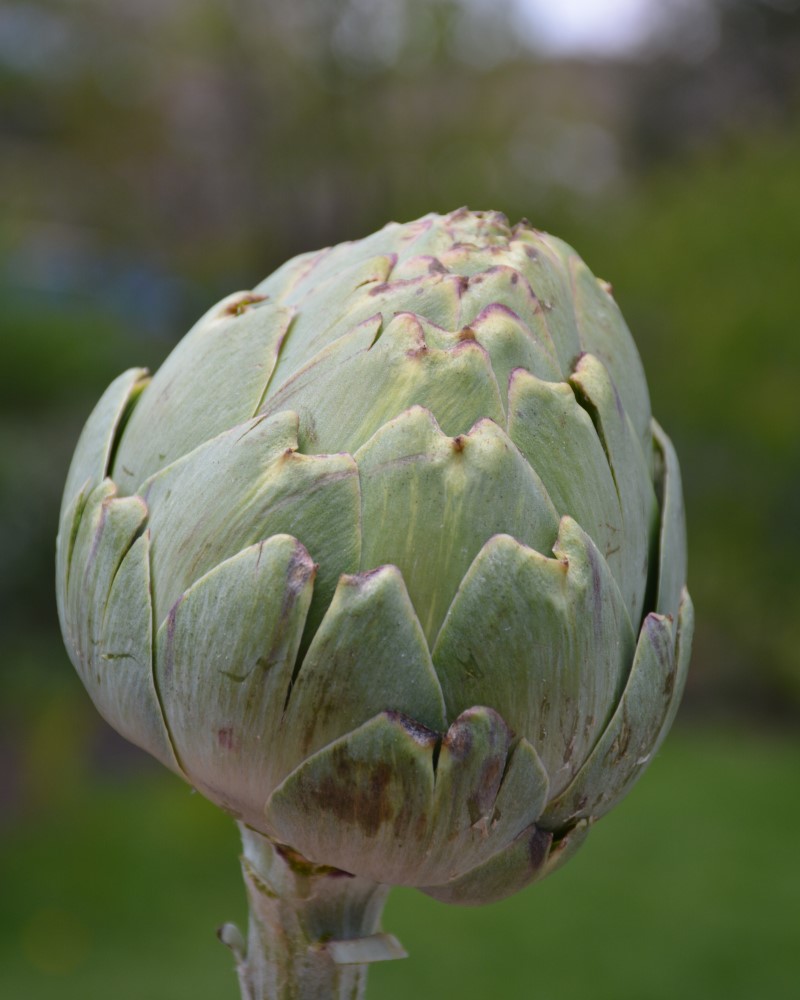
(421, 827)
(225, 737)
(619, 747)
(488, 783)
(172, 621)
(240, 305)
(418, 352)
(539, 847)
(299, 571)
(459, 442)
(458, 740)
(477, 820)
(302, 866)
(315, 721)
(352, 800)
(416, 730)
(360, 794)
(576, 361)
(408, 819)
(358, 580)
(662, 644)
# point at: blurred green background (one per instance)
(157, 154)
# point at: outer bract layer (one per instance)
(388, 558)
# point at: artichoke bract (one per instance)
(388, 559)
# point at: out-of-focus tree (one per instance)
(155, 154)
(714, 70)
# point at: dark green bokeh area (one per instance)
(156, 156)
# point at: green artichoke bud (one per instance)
(388, 558)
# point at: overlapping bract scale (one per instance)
(191, 398)
(456, 384)
(239, 628)
(106, 615)
(430, 502)
(103, 584)
(400, 803)
(389, 558)
(196, 525)
(547, 641)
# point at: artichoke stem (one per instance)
(312, 930)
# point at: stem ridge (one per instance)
(312, 930)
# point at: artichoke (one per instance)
(388, 561)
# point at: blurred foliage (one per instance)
(710, 301)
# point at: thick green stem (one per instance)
(312, 930)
